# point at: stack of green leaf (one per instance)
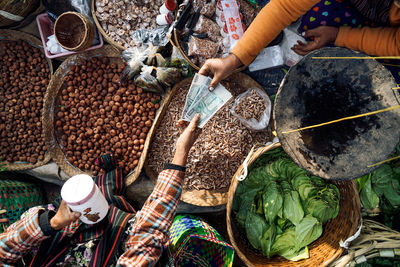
(282, 208)
(380, 190)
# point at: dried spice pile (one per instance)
(251, 106)
(24, 76)
(99, 115)
(220, 149)
(119, 18)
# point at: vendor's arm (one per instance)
(27, 233)
(271, 20)
(152, 222)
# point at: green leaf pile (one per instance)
(282, 208)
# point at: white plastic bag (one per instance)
(253, 109)
(269, 57)
(290, 38)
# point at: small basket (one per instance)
(14, 12)
(74, 31)
(325, 249)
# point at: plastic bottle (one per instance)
(164, 19)
(168, 6)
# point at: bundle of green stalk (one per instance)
(282, 208)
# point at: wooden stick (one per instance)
(383, 161)
(383, 57)
(343, 119)
(395, 88)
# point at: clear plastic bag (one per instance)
(135, 57)
(253, 109)
(157, 36)
(147, 81)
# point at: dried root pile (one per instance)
(220, 149)
(251, 106)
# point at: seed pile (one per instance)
(220, 149)
(24, 76)
(251, 106)
(98, 115)
(119, 18)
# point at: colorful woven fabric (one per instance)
(17, 197)
(193, 242)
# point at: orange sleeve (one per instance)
(271, 20)
(372, 41)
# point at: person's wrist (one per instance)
(233, 61)
(180, 157)
(55, 223)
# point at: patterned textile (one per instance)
(17, 197)
(375, 10)
(193, 242)
(147, 232)
(338, 13)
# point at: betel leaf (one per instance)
(268, 239)
(307, 231)
(292, 208)
(272, 201)
(321, 209)
(392, 195)
(255, 228)
(285, 243)
(299, 255)
(381, 179)
(369, 198)
(362, 180)
(256, 179)
(245, 202)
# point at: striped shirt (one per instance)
(143, 247)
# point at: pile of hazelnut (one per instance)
(97, 115)
(24, 76)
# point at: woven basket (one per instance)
(74, 31)
(14, 12)
(50, 108)
(12, 35)
(325, 249)
(199, 197)
(100, 28)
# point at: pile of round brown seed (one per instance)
(24, 76)
(97, 115)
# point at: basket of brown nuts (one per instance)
(116, 19)
(219, 150)
(205, 35)
(25, 73)
(89, 113)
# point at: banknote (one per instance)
(208, 104)
(199, 84)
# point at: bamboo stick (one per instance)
(382, 57)
(383, 161)
(343, 119)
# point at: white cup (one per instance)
(82, 195)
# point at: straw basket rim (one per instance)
(325, 249)
(14, 35)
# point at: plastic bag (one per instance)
(269, 57)
(289, 40)
(135, 57)
(168, 76)
(253, 109)
(157, 36)
(147, 81)
(206, 25)
(154, 58)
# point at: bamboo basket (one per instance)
(74, 31)
(199, 197)
(50, 108)
(14, 12)
(12, 35)
(325, 249)
(100, 28)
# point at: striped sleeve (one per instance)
(150, 228)
(21, 237)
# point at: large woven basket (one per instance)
(14, 12)
(325, 249)
(50, 108)
(12, 35)
(199, 197)
(100, 28)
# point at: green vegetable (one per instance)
(272, 200)
(282, 208)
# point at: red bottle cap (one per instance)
(170, 5)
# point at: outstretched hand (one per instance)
(186, 141)
(320, 37)
(219, 69)
(63, 217)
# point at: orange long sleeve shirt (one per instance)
(278, 14)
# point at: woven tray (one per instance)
(16, 8)
(50, 107)
(12, 35)
(199, 197)
(325, 249)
